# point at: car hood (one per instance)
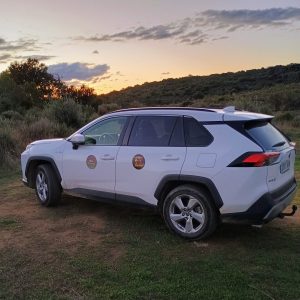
(49, 141)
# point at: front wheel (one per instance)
(190, 213)
(47, 187)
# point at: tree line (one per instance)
(27, 85)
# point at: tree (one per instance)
(15, 97)
(83, 94)
(34, 75)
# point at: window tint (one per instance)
(177, 139)
(266, 135)
(152, 131)
(195, 133)
(106, 132)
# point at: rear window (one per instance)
(266, 135)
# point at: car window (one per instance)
(106, 132)
(177, 138)
(152, 131)
(196, 135)
(266, 134)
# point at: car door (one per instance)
(91, 167)
(155, 149)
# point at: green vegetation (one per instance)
(276, 87)
(88, 250)
(6, 223)
(34, 104)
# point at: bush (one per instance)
(296, 122)
(66, 112)
(12, 115)
(284, 116)
(7, 148)
(106, 108)
(42, 129)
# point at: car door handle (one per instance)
(170, 157)
(107, 157)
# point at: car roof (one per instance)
(201, 114)
(208, 115)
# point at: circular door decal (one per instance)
(138, 161)
(91, 162)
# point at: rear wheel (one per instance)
(47, 187)
(190, 213)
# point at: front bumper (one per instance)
(267, 207)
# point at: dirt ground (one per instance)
(28, 226)
(73, 224)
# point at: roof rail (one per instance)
(166, 108)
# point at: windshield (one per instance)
(266, 135)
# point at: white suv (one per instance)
(198, 166)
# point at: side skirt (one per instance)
(110, 198)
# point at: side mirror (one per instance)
(77, 139)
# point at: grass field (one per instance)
(88, 250)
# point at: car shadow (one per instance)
(147, 220)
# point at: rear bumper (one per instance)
(267, 207)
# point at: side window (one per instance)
(106, 132)
(177, 139)
(196, 135)
(152, 131)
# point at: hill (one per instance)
(193, 90)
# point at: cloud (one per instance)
(165, 73)
(232, 20)
(4, 58)
(141, 33)
(118, 73)
(194, 30)
(78, 71)
(220, 38)
(19, 45)
(37, 56)
(100, 78)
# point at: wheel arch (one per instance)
(33, 162)
(170, 182)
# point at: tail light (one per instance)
(256, 159)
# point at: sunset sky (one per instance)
(110, 44)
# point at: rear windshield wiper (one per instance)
(279, 144)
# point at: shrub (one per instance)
(42, 129)
(284, 116)
(106, 108)
(7, 148)
(92, 117)
(66, 112)
(296, 122)
(12, 115)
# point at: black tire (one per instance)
(53, 194)
(204, 206)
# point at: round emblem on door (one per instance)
(91, 162)
(138, 161)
